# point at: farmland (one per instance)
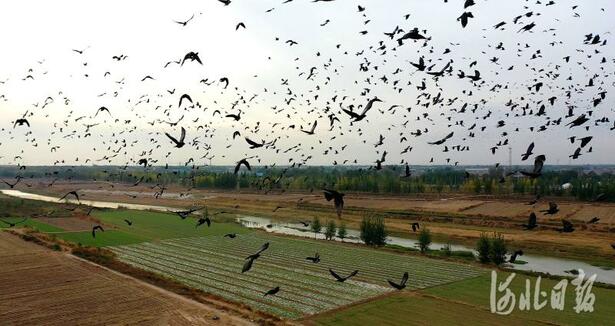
(468, 298)
(35, 224)
(147, 226)
(451, 217)
(213, 264)
(42, 287)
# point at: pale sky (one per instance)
(41, 35)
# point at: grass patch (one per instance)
(476, 292)
(413, 309)
(466, 302)
(39, 226)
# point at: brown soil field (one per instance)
(43, 287)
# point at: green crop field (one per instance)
(103, 239)
(466, 302)
(412, 309)
(213, 264)
(146, 226)
(157, 226)
(42, 227)
(476, 292)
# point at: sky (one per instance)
(66, 88)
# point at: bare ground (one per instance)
(43, 287)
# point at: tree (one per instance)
(316, 226)
(373, 230)
(341, 231)
(482, 246)
(424, 239)
(330, 230)
(497, 251)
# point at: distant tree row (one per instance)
(584, 186)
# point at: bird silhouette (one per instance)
(531, 222)
(273, 291)
(338, 200)
(514, 256)
(539, 162)
(402, 284)
(13, 224)
(553, 209)
(342, 279)
(192, 56)
(567, 227)
(315, 259)
(96, 227)
(21, 122)
(70, 193)
(249, 261)
(178, 143)
(242, 162)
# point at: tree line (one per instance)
(579, 184)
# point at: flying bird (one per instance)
(342, 279)
(528, 152)
(21, 122)
(552, 210)
(315, 259)
(531, 222)
(539, 162)
(443, 140)
(13, 224)
(96, 227)
(192, 56)
(242, 162)
(178, 143)
(514, 256)
(402, 284)
(272, 291)
(73, 193)
(338, 200)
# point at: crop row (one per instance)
(374, 266)
(324, 289)
(210, 274)
(213, 264)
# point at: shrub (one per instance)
(491, 249)
(341, 231)
(497, 251)
(424, 240)
(316, 226)
(330, 230)
(373, 230)
(482, 246)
